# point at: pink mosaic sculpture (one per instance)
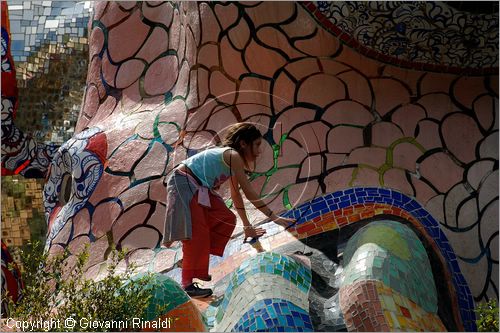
(165, 79)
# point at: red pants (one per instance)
(211, 230)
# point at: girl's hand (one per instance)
(167, 244)
(252, 232)
(282, 221)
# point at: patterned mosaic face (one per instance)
(164, 79)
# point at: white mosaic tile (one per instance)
(13, 8)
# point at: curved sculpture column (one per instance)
(388, 283)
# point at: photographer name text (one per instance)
(85, 323)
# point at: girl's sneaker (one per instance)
(194, 291)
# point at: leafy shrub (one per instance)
(56, 289)
(488, 316)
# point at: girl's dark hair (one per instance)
(240, 132)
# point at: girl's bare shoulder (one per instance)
(231, 156)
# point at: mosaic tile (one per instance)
(406, 314)
(366, 315)
(62, 62)
(385, 209)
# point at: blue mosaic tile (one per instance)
(318, 206)
(312, 216)
(344, 204)
(386, 199)
(55, 11)
(384, 192)
(17, 45)
(317, 200)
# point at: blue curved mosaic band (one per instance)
(274, 315)
(361, 195)
(271, 263)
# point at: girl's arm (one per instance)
(238, 202)
(250, 231)
(237, 168)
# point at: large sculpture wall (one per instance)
(362, 121)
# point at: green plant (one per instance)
(56, 289)
(488, 316)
